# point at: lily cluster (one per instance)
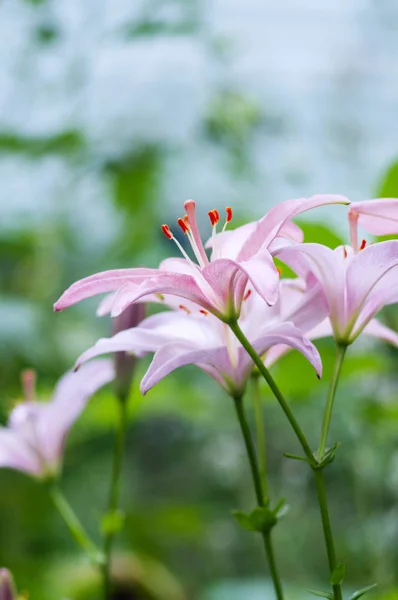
(336, 292)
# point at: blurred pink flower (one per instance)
(192, 336)
(355, 286)
(378, 217)
(7, 587)
(217, 285)
(34, 438)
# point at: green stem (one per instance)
(261, 447)
(274, 388)
(327, 529)
(261, 501)
(75, 527)
(340, 354)
(114, 492)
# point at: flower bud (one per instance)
(124, 361)
(7, 588)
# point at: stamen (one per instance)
(183, 225)
(167, 232)
(345, 252)
(228, 217)
(203, 312)
(185, 308)
(363, 245)
(280, 270)
(247, 295)
(214, 216)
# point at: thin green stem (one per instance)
(75, 527)
(114, 492)
(261, 500)
(327, 529)
(340, 354)
(274, 388)
(261, 447)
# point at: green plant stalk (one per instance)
(302, 439)
(75, 527)
(261, 501)
(261, 447)
(327, 529)
(114, 492)
(274, 388)
(340, 354)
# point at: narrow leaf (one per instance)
(362, 592)
(243, 520)
(338, 574)
(262, 519)
(327, 595)
(295, 457)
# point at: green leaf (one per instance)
(112, 522)
(263, 519)
(243, 520)
(328, 595)
(362, 592)
(296, 457)
(329, 456)
(338, 574)
(389, 186)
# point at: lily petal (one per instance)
(263, 275)
(107, 281)
(272, 223)
(378, 217)
(372, 281)
(15, 454)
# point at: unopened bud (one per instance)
(124, 362)
(7, 588)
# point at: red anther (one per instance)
(228, 210)
(183, 225)
(186, 220)
(214, 217)
(185, 308)
(167, 232)
(246, 296)
(345, 252)
(363, 245)
(203, 312)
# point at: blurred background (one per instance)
(112, 113)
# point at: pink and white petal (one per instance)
(71, 396)
(263, 275)
(288, 334)
(16, 454)
(228, 244)
(225, 278)
(378, 217)
(183, 286)
(378, 330)
(309, 311)
(327, 267)
(372, 280)
(271, 224)
(179, 354)
(105, 306)
(292, 232)
(107, 281)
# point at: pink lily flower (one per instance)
(7, 587)
(34, 438)
(378, 217)
(218, 285)
(356, 286)
(193, 336)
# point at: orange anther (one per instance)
(345, 252)
(185, 308)
(363, 245)
(167, 232)
(280, 270)
(183, 225)
(203, 312)
(228, 210)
